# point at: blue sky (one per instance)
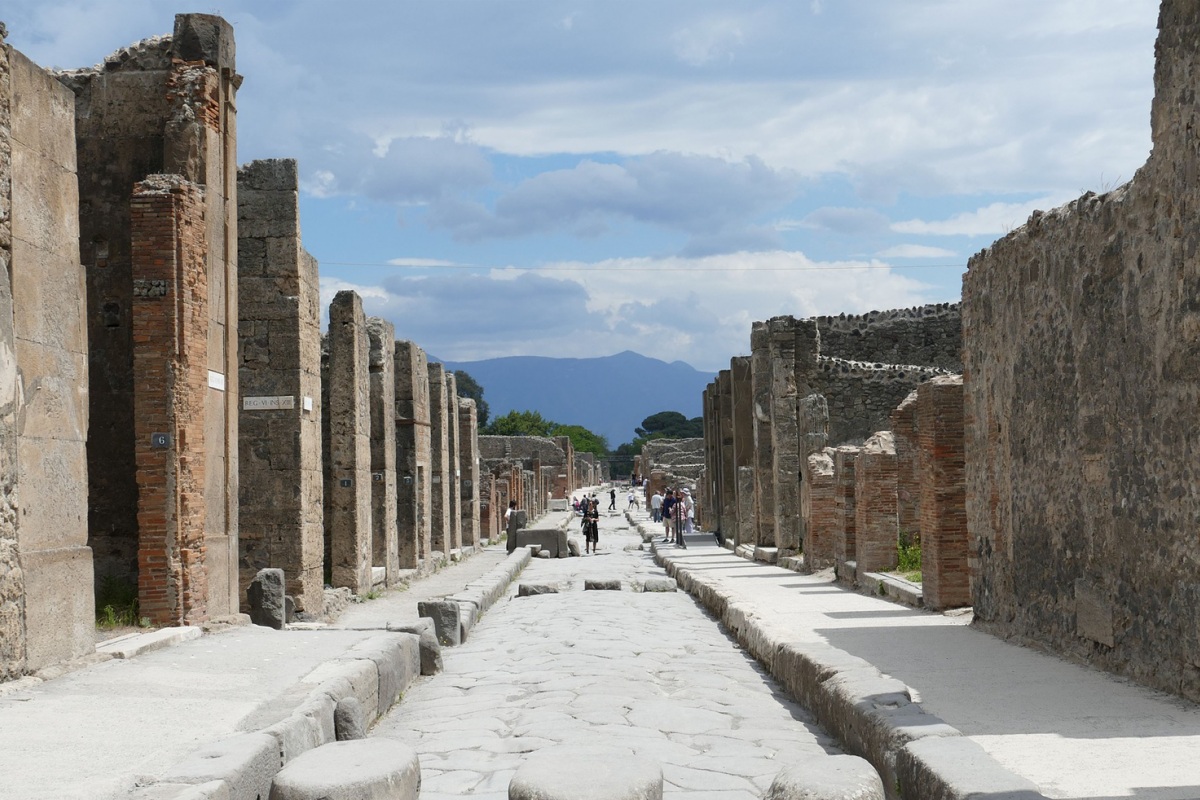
(580, 178)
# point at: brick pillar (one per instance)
(764, 458)
(844, 458)
(170, 371)
(281, 519)
(440, 470)
(385, 538)
(413, 455)
(908, 469)
(820, 498)
(349, 466)
(741, 396)
(875, 504)
(945, 547)
(468, 467)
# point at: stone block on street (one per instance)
(827, 778)
(530, 589)
(266, 599)
(365, 769)
(606, 584)
(572, 774)
(431, 649)
(348, 720)
(446, 622)
(659, 585)
(245, 763)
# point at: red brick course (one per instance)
(875, 504)
(946, 572)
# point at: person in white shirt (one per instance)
(656, 507)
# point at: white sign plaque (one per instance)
(276, 403)
(216, 381)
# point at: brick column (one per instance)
(844, 458)
(908, 469)
(439, 464)
(468, 467)
(764, 459)
(820, 499)
(945, 547)
(413, 455)
(349, 466)
(385, 539)
(875, 504)
(170, 332)
(742, 401)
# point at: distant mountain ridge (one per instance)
(610, 395)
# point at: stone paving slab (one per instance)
(643, 673)
(1073, 731)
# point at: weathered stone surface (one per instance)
(926, 335)
(574, 548)
(575, 773)
(552, 541)
(348, 723)
(659, 585)
(829, 778)
(367, 769)
(949, 768)
(384, 530)
(431, 649)
(876, 530)
(245, 762)
(946, 559)
(265, 599)
(441, 471)
(446, 620)
(413, 456)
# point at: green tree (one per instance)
(520, 423)
(583, 440)
(670, 425)
(469, 388)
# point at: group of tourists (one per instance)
(589, 508)
(676, 511)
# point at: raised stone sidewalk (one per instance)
(988, 714)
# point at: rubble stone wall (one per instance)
(861, 396)
(928, 336)
(1082, 392)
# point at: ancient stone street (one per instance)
(645, 673)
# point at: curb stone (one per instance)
(873, 716)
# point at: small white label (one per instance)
(216, 381)
(275, 403)
(308, 405)
(437, 478)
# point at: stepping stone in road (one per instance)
(530, 589)
(609, 584)
(827, 778)
(571, 773)
(364, 769)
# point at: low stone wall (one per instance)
(862, 396)
(929, 335)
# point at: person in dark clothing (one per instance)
(667, 505)
(591, 526)
(612, 501)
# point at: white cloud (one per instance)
(707, 40)
(916, 251)
(991, 220)
(846, 221)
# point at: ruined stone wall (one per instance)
(821, 510)
(947, 562)
(440, 469)
(46, 602)
(280, 498)
(1082, 392)
(163, 106)
(929, 336)
(743, 448)
(861, 396)
(468, 466)
(845, 516)
(564, 478)
(875, 533)
(413, 455)
(908, 468)
(453, 470)
(521, 448)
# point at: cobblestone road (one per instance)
(644, 673)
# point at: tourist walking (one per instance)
(612, 499)
(679, 515)
(689, 515)
(591, 526)
(656, 502)
(633, 503)
(668, 504)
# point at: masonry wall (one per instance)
(46, 603)
(413, 455)
(764, 459)
(928, 336)
(280, 497)
(162, 106)
(741, 393)
(875, 531)
(385, 539)
(1082, 391)
(453, 470)
(348, 466)
(845, 515)
(820, 508)
(861, 396)
(908, 468)
(947, 561)
(468, 467)
(440, 468)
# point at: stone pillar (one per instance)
(946, 568)
(439, 463)
(764, 458)
(170, 324)
(413, 456)
(822, 512)
(281, 516)
(875, 504)
(453, 453)
(908, 469)
(742, 401)
(792, 345)
(385, 538)
(349, 466)
(468, 467)
(47, 612)
(844, 458)
(710, 448)
(726, 467)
